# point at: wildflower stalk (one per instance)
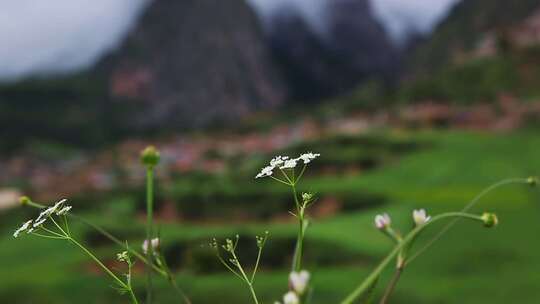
(149, 158)
(93, 257)
(245, 277)
(468, 207)
(230, 248)
(392, 285)
(149, 216)
(409, 238)
(297, 259)
(106, 234)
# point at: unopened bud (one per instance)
(150, 156)
(490, 219)
(24, 200)
(532, 181)
(382, 221)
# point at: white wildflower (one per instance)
(299, 281)
(278, 161)
(48, 212)
(266, 171)
(64, 210)
(291, 298)
(382, 221)
(155, 245)
(420, 217)
(308, 157)
(289, 163)
(23, 227)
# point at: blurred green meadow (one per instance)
(393, 171)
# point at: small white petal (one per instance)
(382, 221)
(299, 281)
(291, 298)
(420, 217)
(23, 227)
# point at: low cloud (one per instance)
(41, 37)
(399, 17)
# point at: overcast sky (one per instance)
(43, 36)
(40, 36)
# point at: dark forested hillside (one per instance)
(185, 64)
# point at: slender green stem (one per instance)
(93, 257)
(301, 173)
(392, 285)
(227, 266)
(132, 296)
(467, 207)
(149, 217)
(172, 280)
(51, 232)
(297, 259)
(49, 236)
(245, 278)
(114, 239)
(397, 249)
(60, 228)
(256, 265)
(279, 180)
(286, 176)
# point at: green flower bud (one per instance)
(150, 156)
(490, 219)
(532, 181)
(24, 200)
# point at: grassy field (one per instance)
(470, 264)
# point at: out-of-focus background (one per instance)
(411, 103)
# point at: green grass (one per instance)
(470, 265)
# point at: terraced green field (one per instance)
(470, 264)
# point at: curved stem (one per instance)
(256, 265)
(118, 242)
(410, 237)
(392, 285)
(93, 257)
(467, 207)
(245, 278)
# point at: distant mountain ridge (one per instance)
(463, 29)
(186, 64)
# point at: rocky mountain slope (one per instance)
(185, 64)
(352, 47)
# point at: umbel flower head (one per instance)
(420, 217)
(298, 281)
(58, 208)
(382, 221)
(285, 162)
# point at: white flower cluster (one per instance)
(59, 209)
(298, 282)
(154, 243)
(285, 162)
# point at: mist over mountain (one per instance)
(399, 18)
(63, 36)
